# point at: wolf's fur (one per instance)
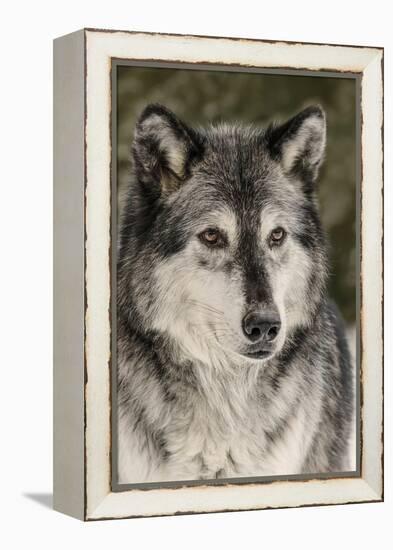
(192, 404)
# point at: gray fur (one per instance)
(196, 398)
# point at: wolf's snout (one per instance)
(261, 327)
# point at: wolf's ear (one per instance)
(299, 143)
(164, 148)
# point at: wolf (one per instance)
(232, 360)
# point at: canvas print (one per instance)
(236, 275)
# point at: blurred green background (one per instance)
(202, 96)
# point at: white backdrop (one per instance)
(26, 293)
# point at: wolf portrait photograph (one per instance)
(236, 275)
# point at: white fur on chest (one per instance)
(202, 446)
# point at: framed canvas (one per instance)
(218, 269)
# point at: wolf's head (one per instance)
(221, 245)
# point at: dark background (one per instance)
(202, 96)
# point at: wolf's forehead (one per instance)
(237, 151)
(243, 188)
(252, 208)
(241, 194)
(239, 167)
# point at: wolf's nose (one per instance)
(261, 327)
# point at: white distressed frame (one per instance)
(99, 49)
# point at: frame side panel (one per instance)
(372, 274)
(68, 242)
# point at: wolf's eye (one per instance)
(277, 236)
(212, 237)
